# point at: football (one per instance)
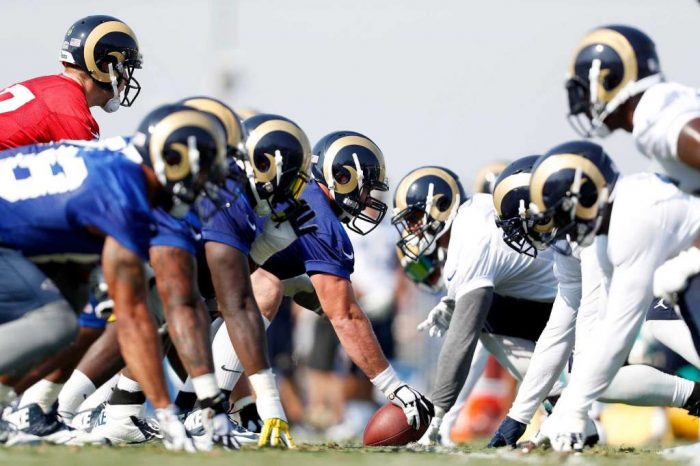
(388, 427)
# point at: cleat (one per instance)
(218, 429)
(116, 430)
(33, 426)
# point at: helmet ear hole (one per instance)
(443, 204)
(341, 175)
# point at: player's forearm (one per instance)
(247, 333)
(460, 342)
(188, 327)
(355, 333)
(142, 352)
(548, 361)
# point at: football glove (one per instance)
(507, 434)
(173, 431)
(281, 230)
(275, 433)
(672, 276)
(439, 318)
(418, 409)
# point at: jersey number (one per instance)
(52, 171)
(19, 95)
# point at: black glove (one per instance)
(297, 214)
(250, 419)
(507, 434)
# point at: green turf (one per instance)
(155, 455)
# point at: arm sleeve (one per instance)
(457, 352)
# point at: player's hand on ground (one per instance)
(432, 435)
(173, 430)
(439, 318)
(281, 230)
(418, 409)
(672, 276)
(507, 434)
(275, 433)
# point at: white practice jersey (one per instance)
(478, 257)
(661, 114)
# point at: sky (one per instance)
(455, 83)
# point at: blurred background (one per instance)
(446, 82)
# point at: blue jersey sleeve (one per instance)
(119, 208)
(235, 225)
(327, 250)
(177, 233)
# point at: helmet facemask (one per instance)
(122, 82)
(515, 232)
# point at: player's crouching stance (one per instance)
(90, 201)
(347, 167)
(576, 188)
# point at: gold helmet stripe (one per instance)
(622, 47)
(342, 143)
(94, 37)
(233, 128)
(493, 168)
(558, 162)
(408, 180)
(508, 184)
(267, 127)
(172, 123)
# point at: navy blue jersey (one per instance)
(184, 233)
(51, 193)
(236, 225)
(327, 250)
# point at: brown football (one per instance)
(388, 427)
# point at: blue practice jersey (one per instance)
(51, 193)
(183, 233)
(236, 224)
(327, 250)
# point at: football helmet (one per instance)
(235, 133)
(570, 190)
(276, 161)
(610, 65)
(107, 50)
(352, 166)
(186, 149)
(486, 177)
(426, 271)
(511, 198)
(425, 204)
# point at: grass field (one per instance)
(311, 455)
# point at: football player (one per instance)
(576, 190)
(95, 201)
(52, 108)
(431, 211)
(579, 278)
(346, 167)
(99, 55)
(615, 82)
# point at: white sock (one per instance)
(642, 385)
(75, 391)
(127, 384)
(205, 386)
(101, 395)
(44, 393)
(226, 363)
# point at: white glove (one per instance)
(432, 435)
(173, 430)
(275, 430)
(672, 276)
(439, 318)
(281, 230)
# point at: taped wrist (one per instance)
(387, 381)
(268, 397)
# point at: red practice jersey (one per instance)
(45, 109)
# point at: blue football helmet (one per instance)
(511, 198)
(570, 190)
(352, 166)
(610, 65)
(425, 204)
